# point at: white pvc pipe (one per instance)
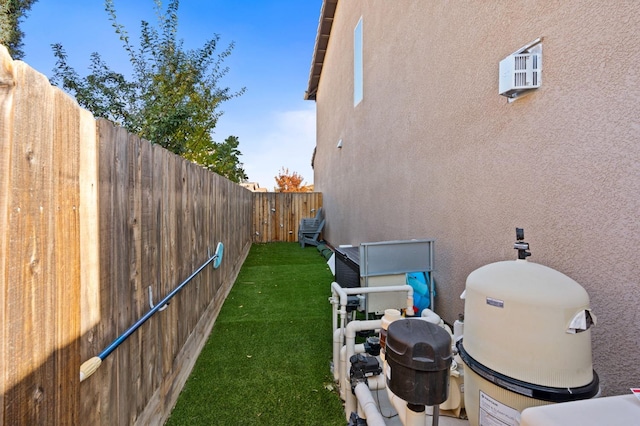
(337, 343)
(358, 349)
(377, 382)
(407, 417)
(431, 316)
(334, 310)
(338, 332)
(368, 405)
(343, 292)
(350, 337)
(398, 403)
(414, 418)
(341, 299)
(342, 375)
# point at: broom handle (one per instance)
(91, 365)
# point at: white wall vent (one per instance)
(521, 71)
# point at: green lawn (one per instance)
(267, 359)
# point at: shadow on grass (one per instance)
(266, 361)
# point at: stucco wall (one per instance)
(434, 152)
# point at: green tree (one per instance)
(11, 14)
(221, 158)
(173, 97)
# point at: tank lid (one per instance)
(418, 345)
(528, 282)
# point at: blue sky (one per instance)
(274, 42)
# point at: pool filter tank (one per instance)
(527, 340)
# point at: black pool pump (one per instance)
(419, 357)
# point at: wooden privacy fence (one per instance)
(92, 219)
(276, 215)
(93, 222)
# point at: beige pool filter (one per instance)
(526, 340)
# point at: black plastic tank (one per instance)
(347, 266)
(418, 354)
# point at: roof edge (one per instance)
(325, 23)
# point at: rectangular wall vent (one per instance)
(521, 71)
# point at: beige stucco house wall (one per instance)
(432, 150)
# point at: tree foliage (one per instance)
(173, 96)
(221, 158)
(11, 14)
(290, 182)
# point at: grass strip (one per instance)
(266, 361)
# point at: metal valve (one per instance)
(520, 245)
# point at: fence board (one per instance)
(184, 251)
(140, 305)
(148, 277)
(276, 215)
(121, 249)
(157, 225)
(89, 235)
(106, 396)
(6, 142)
(29, 297)
(40, 272)
(66, 201)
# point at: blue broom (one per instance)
(91, 365)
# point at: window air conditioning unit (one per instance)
(521, 71)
